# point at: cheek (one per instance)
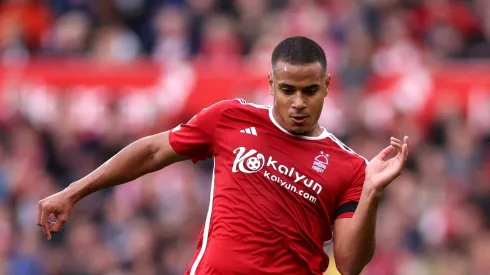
(282, 107)
(317, 107)
(280, 100)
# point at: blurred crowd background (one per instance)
(81, 79)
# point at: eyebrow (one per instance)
(314, 86)
(284, 85)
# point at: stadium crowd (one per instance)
(434, 220)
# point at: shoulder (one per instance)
(223, 105)
(346, 152)
(236, 103)
(236, 106)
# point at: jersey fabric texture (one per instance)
(274, 196)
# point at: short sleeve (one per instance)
(348, 203)
(196, 138)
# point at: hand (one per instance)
(381, 171)
(60, 206)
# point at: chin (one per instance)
(298, 131)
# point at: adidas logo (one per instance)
(250, 131)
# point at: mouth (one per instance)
(298, 119)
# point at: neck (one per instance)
(315, 131)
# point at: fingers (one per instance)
(405, 140)
(405, 148)
(402, 148)
(386, 152)
(45, 223)
(56, 205)
(56, 226)
(50, 226)
(42, 219)
(396, 143)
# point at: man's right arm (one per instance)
(141, 157)
(192, 140)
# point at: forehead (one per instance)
(311, 73)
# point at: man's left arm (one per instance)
(354, 238)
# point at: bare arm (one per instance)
(354, 242)
(354, 238)
(141, 157)
(194, 139)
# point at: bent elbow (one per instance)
(346, 267)
(348, 271)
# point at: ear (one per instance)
(271, 83)
(327, 83)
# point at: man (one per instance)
(280, 184)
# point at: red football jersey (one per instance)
(274, 195)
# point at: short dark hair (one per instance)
(299, 50)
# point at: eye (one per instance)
(287, 90)
(311, 91)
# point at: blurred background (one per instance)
(81, 79)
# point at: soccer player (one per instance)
(282, 185)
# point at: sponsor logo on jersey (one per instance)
(251, 161)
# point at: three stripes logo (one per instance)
(250, 131)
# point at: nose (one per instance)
(298, 101)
